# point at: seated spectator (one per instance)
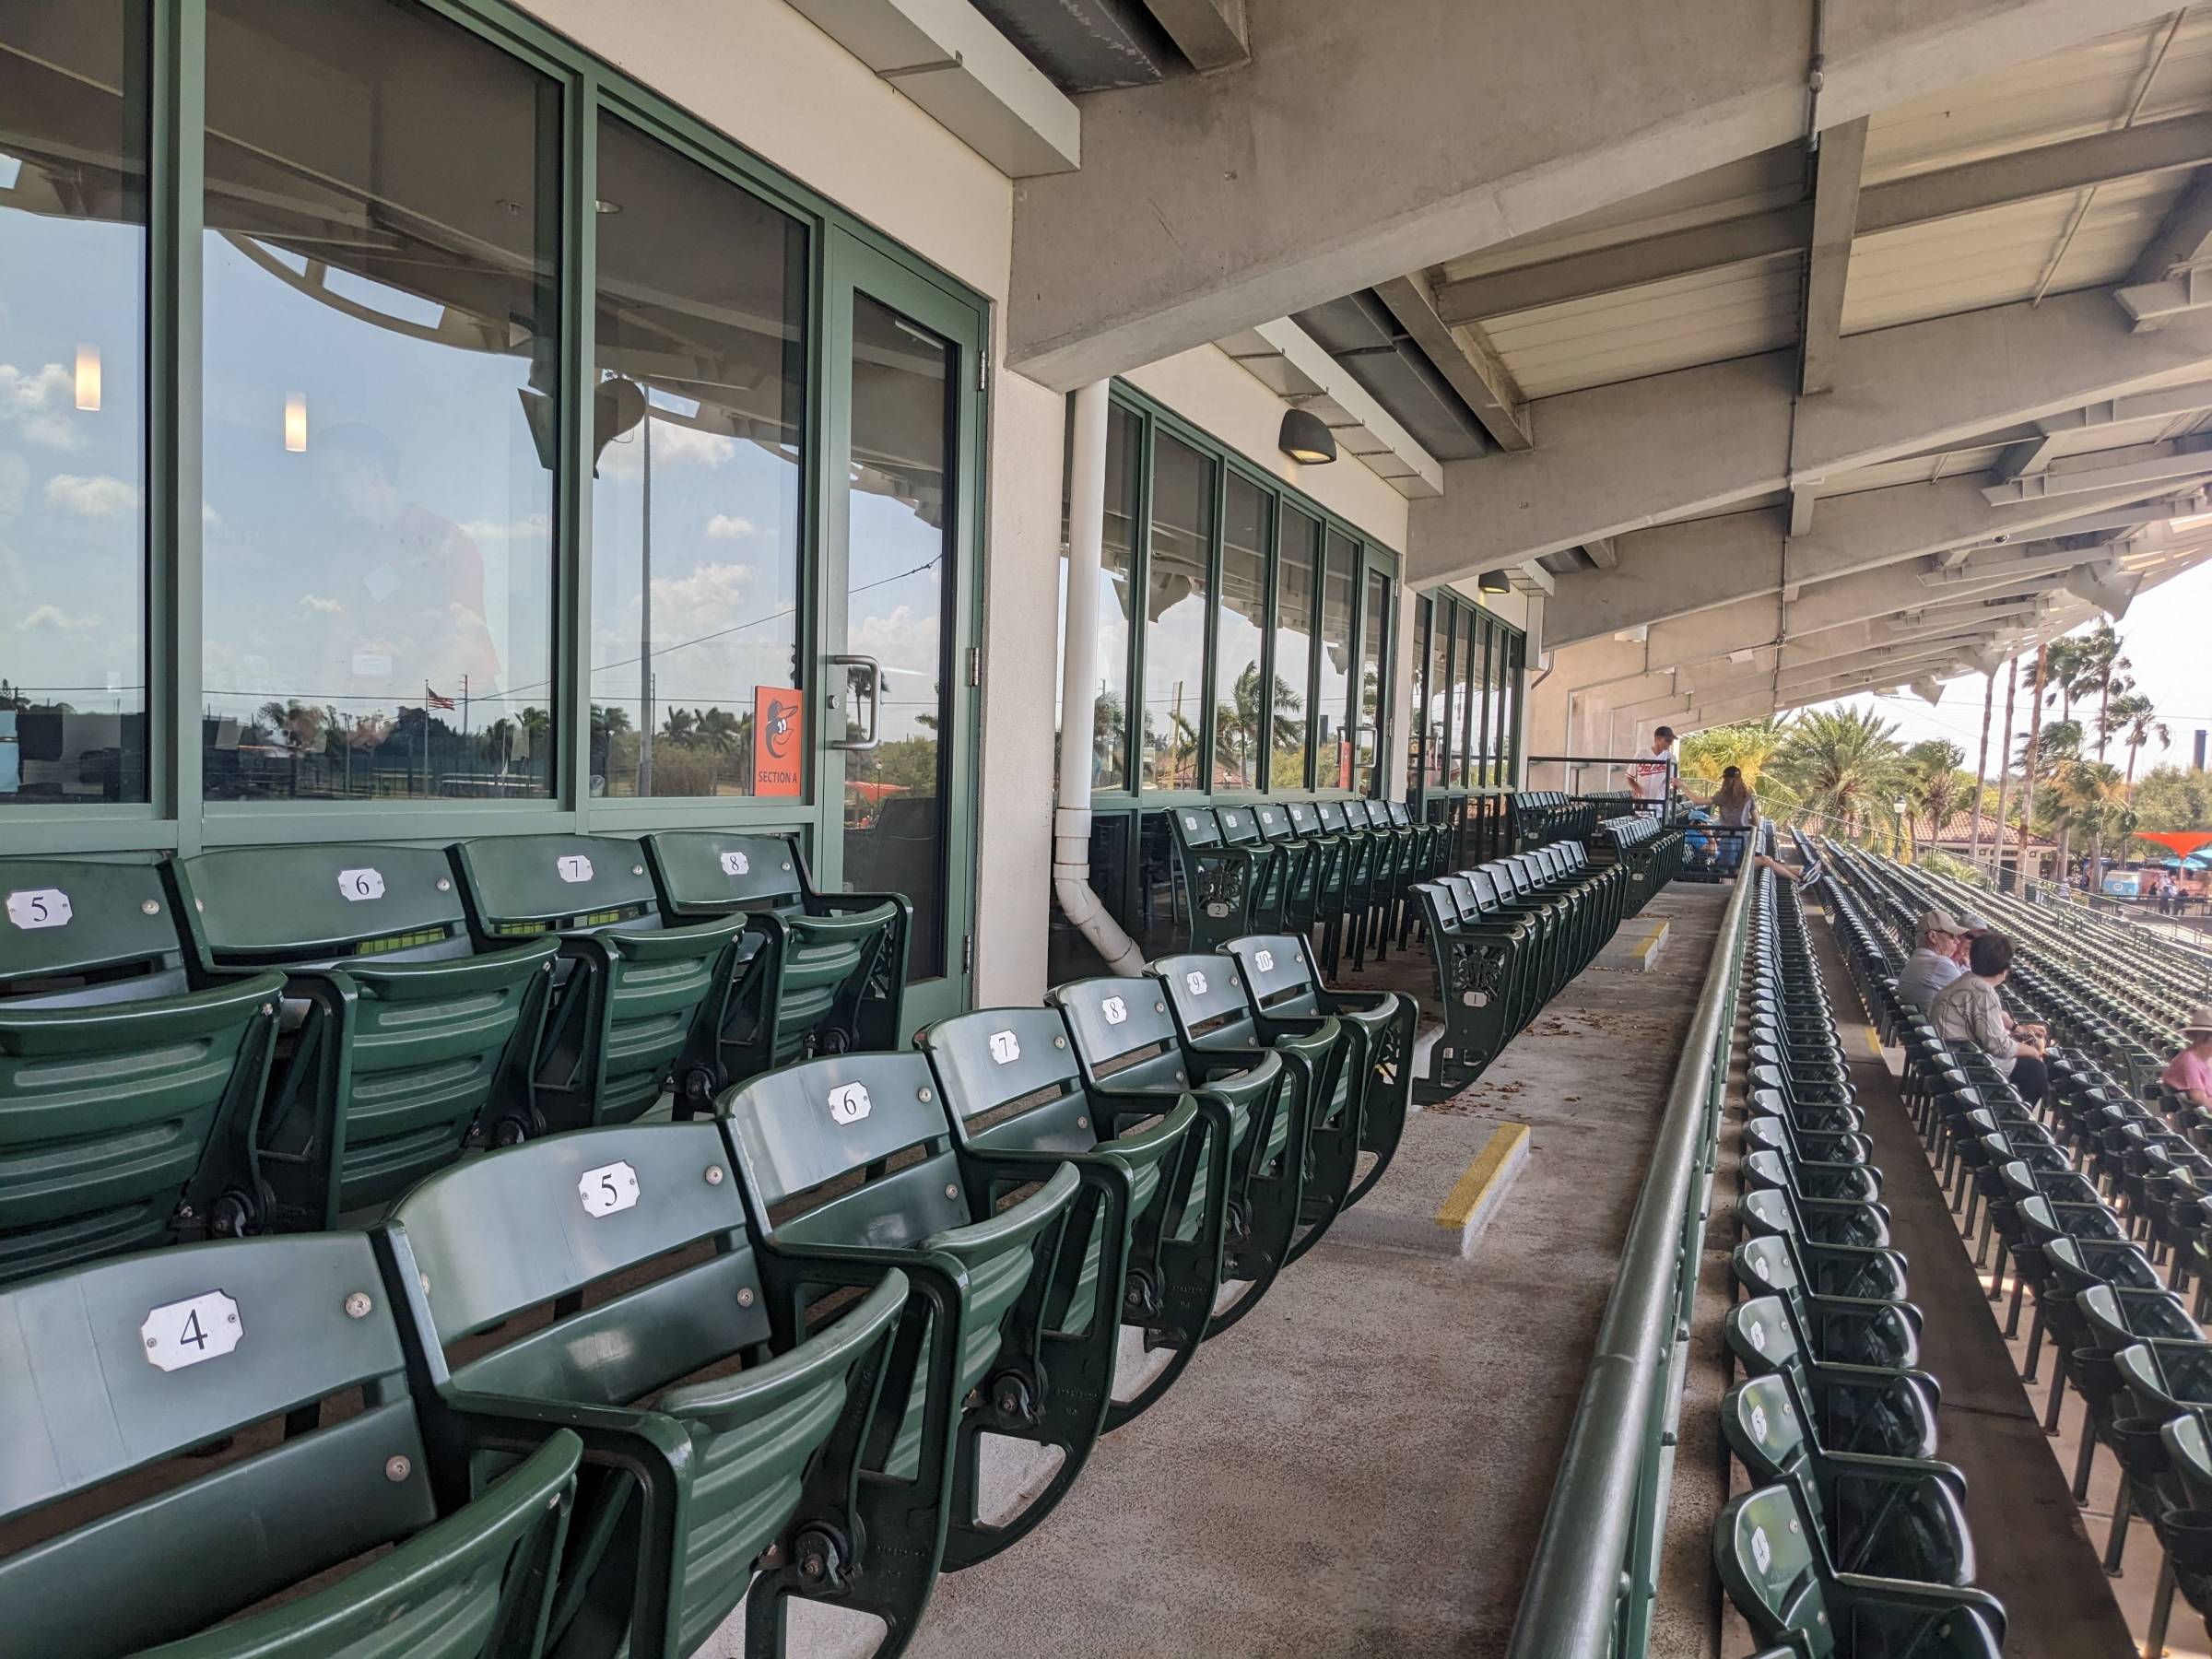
(1736, 809)
(1971, 928)
(2189, 1073)
(1969, 1010)
(1935, 960)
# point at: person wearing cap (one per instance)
(1969, 1010)
(1934, 963)
(2189, 1073)
(1971, 926)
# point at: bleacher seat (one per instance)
(638, 1000)
(181, 1560)
(402, 1036)
(815, 973)
(128, 1078)
(854, 1159)
(697, 1481)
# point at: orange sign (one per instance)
(779, 731)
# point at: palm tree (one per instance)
(1237, 722)
(2067, 673)
(301, 725)
(2083, 795)
(1934, 783)
(720, 731)
(681, 725)
(1843, 764)
(2137, 717)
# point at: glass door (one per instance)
(897, 741)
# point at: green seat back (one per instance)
(1124, 1035)
(1273, 821)
(653, 1000)
(1194, 827)
(812, 974)
(113, 1368)
(411, 1034)
(518, 1228)
(1207, 996)
(1765, 1556)
(124, 1091)
(798, 1130)
(1278, 974)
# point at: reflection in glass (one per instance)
(1182, 531)
(381, 309)
(1508, 703)
(1293, 648)
(1465, 668)
(700, 329)
(1110, 720)
(1241, 740)
(1375, 622)
(1437, 746)
(73, 562)
(1332, 696)
(900, 528)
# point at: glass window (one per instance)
(1374, 631)
(1467, 667)
(699, 421)
(73, 404)
(1333, 694)
(1293, 647)
(1110, 722)
(1175, 613)
(380, 335)
(1509, 743)
(1494, 704)
(1437, 746)
(1240, 741)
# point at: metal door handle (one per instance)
(874, 702)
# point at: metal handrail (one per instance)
(1590, 1589)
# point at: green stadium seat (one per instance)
(639, 999)
(1770, 1166)
(127, 1078)
(401, 1036)
(860, 1148)
(1826, 1269)
(1856, 1330)
(816, 973)
(1488, 965)
(1817, 1220)
(1130, 1052)
(237, 1331)
(1364, 855)
(1018, 1104)
(1271, 871)
(1333, 858)
(1892, 1517)
(1890, 1412)
(1764, 1546)
(1284, 986)
(1301, 863)
(1221, 883)
(1215, 1019)
(695, 1483)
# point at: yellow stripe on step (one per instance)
(1469, 1191)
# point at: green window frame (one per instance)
(177, 817)
(1285, 509)
(1466, 646)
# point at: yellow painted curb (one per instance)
(1468, 1192)
(1874, 1043)
(1651, 942)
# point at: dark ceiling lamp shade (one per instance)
(1305, 440)
(1493, 582)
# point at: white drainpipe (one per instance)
(1079, 688)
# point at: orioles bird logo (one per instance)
(779, 728)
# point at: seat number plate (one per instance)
(607, 1190)
(1758, 1336)
(1195, 982)
(34, 908)
(573, 866)
(1762, 1552)
(358, 884)
(1758, 1422)
(1115, 1010)
(849, 1103)
(183, 1333)
(1263, 960)
(736, 863)
(1004, 1047)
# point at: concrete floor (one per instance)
(1361, 1467)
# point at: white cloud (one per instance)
(98, 495)
(728, 526)
(673, 446)
(320, 605)
(15, 484)
(535, 528)
(209, 516)
(41, 404)
(53, 618)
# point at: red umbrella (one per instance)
(2182, 842)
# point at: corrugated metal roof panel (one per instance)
(1997, 257)
(1704, 318)
(2067, 95)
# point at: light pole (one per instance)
(1899, 807)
